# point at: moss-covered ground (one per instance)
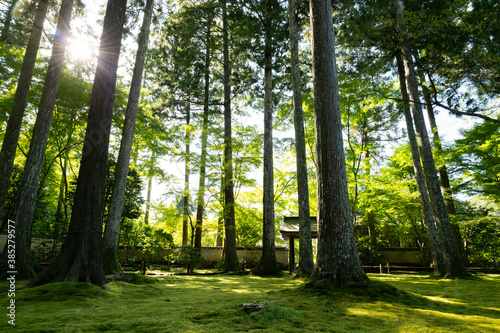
(212, 303)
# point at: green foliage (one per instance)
(476, 157)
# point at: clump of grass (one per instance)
(60, 291)
(272, 312)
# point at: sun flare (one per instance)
(80, 50)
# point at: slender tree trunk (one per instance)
(61, 219)
(80, 259)
(454, 265)
(268, 264)
(204, 142)
(187, 171)
(28, 190)
(432, 235)
(110, 261)
(443, 171)
(9, 146)
(148, 195)
(306, 261)
(220, 222)
(230, 255)
(436, 140)
(338, 263)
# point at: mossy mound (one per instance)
(369, 288)
(271, 313)
(61, 291)
(134, 278)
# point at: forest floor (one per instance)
(212, 303)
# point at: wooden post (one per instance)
(291, 254)
(388, 269)
(381, 269)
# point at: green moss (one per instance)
(134, 278)
(60, 291)
(390, 303)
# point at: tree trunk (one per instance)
(80, 256)
(150, 187)
(61, 217)
(185, 197)
(204, 143)
(268, 264)
(9, 146)
(432, 235)
(454, 265)
(436, 140)
(26, 200)
(230, 255)
(306, 261)
(338, 263)
(443, 171)
(110, 261)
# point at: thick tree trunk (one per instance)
(338, 263)
(26, 200)
(432, 235)
(110, 261)
(454, 265)
(187, 171)
(9, 146)
(204, 143)
(80, 256)
(306, 261)
(230, 255)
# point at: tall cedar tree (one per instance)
(9, 146)
(306, 261)
(268, 264)
(430, 226)
(454, 264)
(110, 262)
(230, 255)
(338, 263)
(80, 256)
(204, 134)
(26, 201)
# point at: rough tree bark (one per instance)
(230, 255)
(432, 235)
(110, 239)
(9, 146)
(306, 261)
(338, 263)
(454, 264)
(80, 256)
(26, 200)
